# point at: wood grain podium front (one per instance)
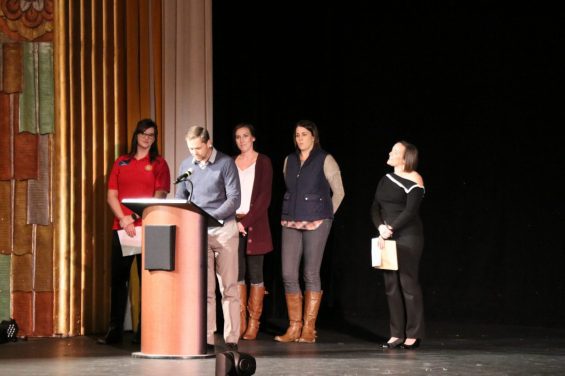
(173, 302)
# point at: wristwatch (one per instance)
(134, 216)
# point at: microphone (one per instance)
(184, 176)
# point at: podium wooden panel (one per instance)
(173, 303)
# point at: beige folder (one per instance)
(384, 258)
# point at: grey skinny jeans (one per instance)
(307, 244)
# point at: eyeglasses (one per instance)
(148, 135)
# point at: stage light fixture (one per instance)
(233, 363)
(8, 331)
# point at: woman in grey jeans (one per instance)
(314, 191)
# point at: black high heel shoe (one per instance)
(393, 345)
(413, 346)
(114, 335)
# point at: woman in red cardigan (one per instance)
(255, 176)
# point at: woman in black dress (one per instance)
(395, 213)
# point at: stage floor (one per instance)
(349, 349)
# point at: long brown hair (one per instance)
(310, 126)
(142, 126)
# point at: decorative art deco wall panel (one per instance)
(27, 19)
(27, 121)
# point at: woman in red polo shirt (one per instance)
(142, 173)
(255, 177)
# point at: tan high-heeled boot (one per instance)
(243, 308)
(255, 308)
(294, 307)
(312, 300)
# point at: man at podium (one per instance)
(215, 189)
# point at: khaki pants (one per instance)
(223, 263)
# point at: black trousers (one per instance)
(121, 267)
(404, 295)
(252, 266)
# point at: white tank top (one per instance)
(246, 179)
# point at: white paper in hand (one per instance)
(130, 246)
(376, 253)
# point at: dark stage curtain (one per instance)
(477, 90)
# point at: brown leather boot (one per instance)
(311, 308)
(255, 307)
(294, 307)
(243, 308)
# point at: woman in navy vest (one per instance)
(314, 191)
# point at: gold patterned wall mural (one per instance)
(27, 19)
(26, 123)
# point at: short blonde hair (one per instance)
(197, 131)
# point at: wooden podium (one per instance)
(173, 297)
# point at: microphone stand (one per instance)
(189, 198)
